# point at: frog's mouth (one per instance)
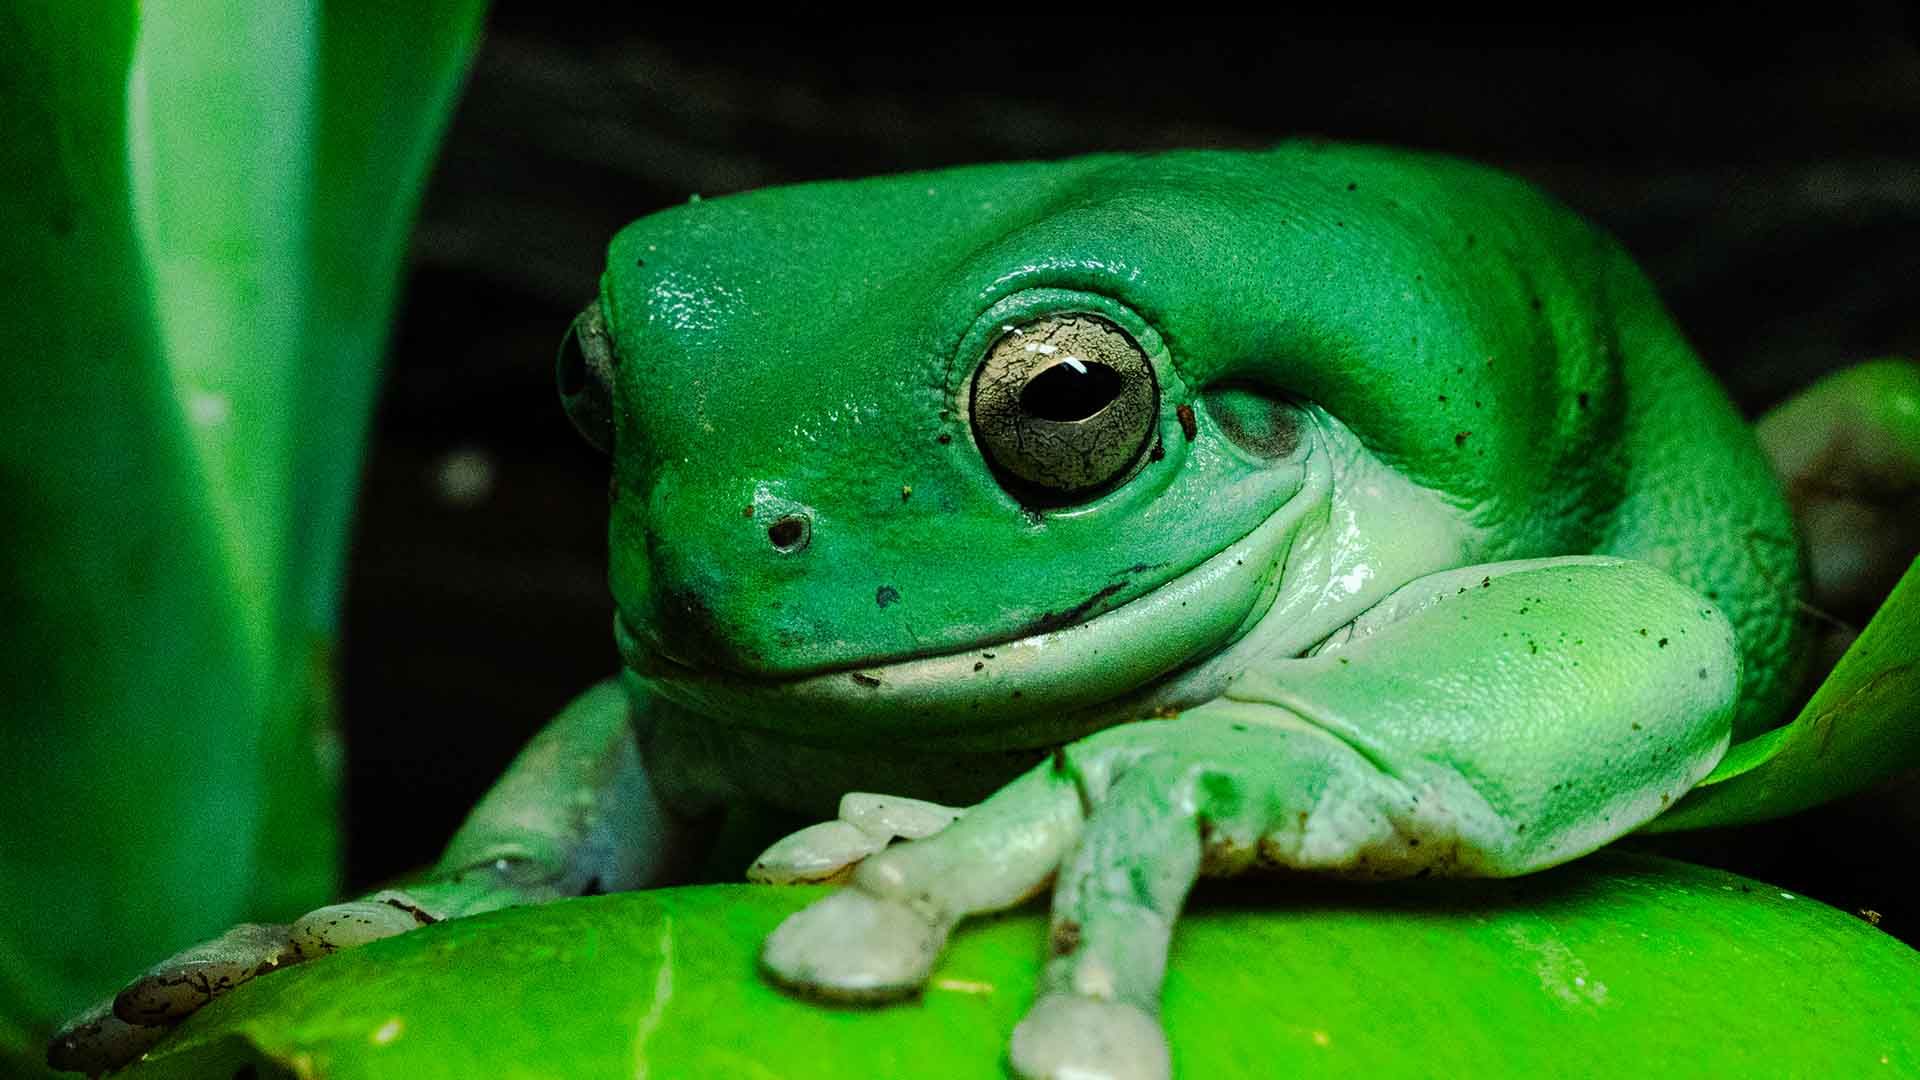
(1030, 691)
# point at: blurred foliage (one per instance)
(203, 211)
(1615, 965)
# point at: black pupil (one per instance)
(1070, 390)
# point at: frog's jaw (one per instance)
(1033, 691)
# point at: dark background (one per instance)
(1766, 175)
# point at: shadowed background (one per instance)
(1766, 176)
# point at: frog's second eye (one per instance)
(1063, 406)
(584, 371)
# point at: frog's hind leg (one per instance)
(574, 814)
(1847, 451)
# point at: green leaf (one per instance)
(203, 208)
(1861, 726)
(1616, 965)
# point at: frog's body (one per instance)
(1497, 379)
(1395, 530)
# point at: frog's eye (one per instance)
(585, 373)
(1063, 406)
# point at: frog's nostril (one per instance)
(790, 534)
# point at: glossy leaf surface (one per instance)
(1861, 726)
(1616, 965)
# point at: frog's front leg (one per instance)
(573, 814)
(1487, 721)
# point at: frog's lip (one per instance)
(1035, 690)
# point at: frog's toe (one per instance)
(97, 1040)
(816, 855)
(352, 924)
(896, 815)
(829, 852)
(1084, 1038)
(187, 980)
(853, 946)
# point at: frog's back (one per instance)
(1701, 501)
(1645, 457)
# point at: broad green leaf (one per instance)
(1616, 965)
(203, 207)
(1861, 726)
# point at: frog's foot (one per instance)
(116, 1032)
(828, 852)
(1126, 819)
(1847, 450)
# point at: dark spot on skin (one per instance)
(1472, 239)
(988, 655)
(978, 664)
(1460, 438)
(1663, 643)
(1016, 693)
(1189, 426)
(1158, 452)
(906, 492)
(1443, 397)
(1339, 224)
(747, 513)
(1064, 938)
(866, 680)
(944, 439)
(1532, 648)
(1582, 399)
(1060, 760)
(1643, 631)
(1636, 725)
(1536, 303)
(1703, 673)
(1353, 187)
(1345, 660)
(1486, 582)
(885, 595)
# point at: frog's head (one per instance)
(997, 455)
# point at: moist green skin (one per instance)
(810, 348)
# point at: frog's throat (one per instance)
(1033, 691)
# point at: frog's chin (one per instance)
(1033, 691)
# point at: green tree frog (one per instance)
(1326, 509)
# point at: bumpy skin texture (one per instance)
(1440, 554)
